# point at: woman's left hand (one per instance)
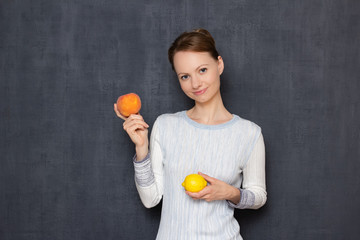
(217, 190)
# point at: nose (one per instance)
(195, 82)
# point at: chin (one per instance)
(201, 99)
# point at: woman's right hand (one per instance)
(137, 129)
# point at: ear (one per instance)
(220, 65)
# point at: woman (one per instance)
(226, 150)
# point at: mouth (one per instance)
(200, 92)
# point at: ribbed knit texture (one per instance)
(180, 146)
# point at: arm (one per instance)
(149, 172)
(253, 192)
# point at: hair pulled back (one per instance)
(198, 40)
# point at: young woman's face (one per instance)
(198, 74)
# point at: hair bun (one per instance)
(205, 32)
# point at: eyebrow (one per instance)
(202, 65)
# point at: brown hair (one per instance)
(198, 40)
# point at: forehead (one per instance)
(185, 61)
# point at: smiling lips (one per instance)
(200, 92)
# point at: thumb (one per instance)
(207, 178)
(118, 113)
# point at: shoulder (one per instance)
(246, 124)
(168, 124)
(169, 119)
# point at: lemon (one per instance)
(194, 183)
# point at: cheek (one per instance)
(184, 85)
(214, 79)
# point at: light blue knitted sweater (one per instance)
(180, 146)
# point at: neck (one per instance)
(211, 112)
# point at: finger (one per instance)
(205, 194)
(135, 127)
(200, 194)
(132, 120)
(207, 177)
(116, 109)
(207, 190)
(137, 117)
(138, 132)
(197, 196)
(129, 123)
(207, 198)
(118, 113)
(193, 195)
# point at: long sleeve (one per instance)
(253, 193)
(180, 146)
(149, 172)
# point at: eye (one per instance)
(203, 70)
(184, 77)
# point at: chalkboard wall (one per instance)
(66, 168)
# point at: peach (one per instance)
(128, 104)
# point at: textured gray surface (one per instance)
(66, 169)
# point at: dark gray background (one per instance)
(292, 67)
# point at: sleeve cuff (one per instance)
(144, 175)
(247, 200)
(147, 157)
